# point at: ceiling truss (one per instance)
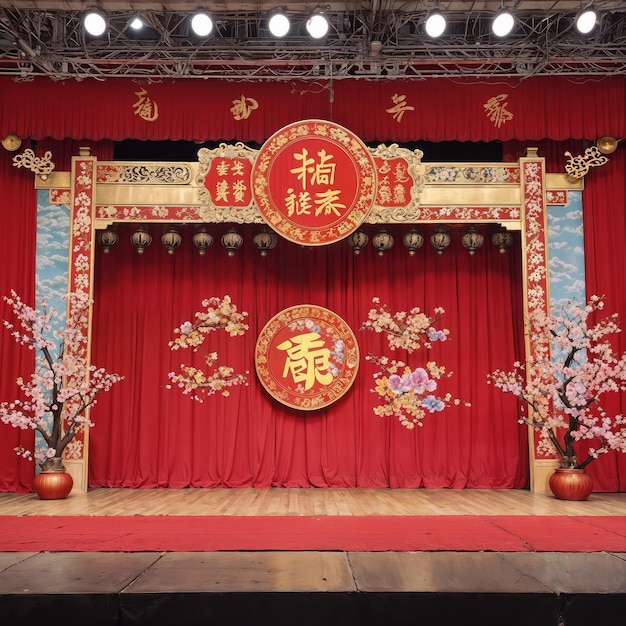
(51, 42)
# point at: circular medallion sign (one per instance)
(314, 182)
(306, 357)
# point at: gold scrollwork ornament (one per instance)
(42, 166)
(578, 166)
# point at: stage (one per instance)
(531, 580)
(349, 520)
(312, 502)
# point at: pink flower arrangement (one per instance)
(408, 393)
(62, 385)
(562, 385)
(194, 381)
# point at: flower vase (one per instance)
(571, 484)
(53, 482)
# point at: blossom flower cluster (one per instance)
(405, 392)
(218, 314)
(409, 330)
(62, 385)
(562, 383)
(408, 394)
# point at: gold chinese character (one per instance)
(307, 360)
(237, 168)
(400, 106)
(497, 111)
(299, 204)
(243, 107)
(328, 202)
(221, 190)
(145, 107)
(399, 195)
(304, 169)
(322, 172)
(400, 173)
(239, 190)
(222, 168)
(384, 191)
(384, 168)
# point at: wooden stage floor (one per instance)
(312, 588)
(311, 502)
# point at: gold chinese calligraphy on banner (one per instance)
(224, 181)
(314, 182)
(496, 109)
(307, 357)
(145, 107)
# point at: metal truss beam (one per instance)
(362, 44)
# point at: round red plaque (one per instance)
(306, 357)
(314, 182)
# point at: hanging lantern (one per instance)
(382, 241)
(232, 241)
(171, 240)
(265, 240)
(413, 241)
(202, 240)
(502, 240)
(440, 239)
(472, 240)
(358, 240)
(141, 239)
(107, 239)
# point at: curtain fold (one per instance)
(149, 436)
(18, 219)
(604, 222)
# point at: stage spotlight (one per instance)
(503, 23)
(317, 25)
(586, 21)
(201, 24)
(279, 24)
(136, 23)
(435, 24)
(94, 23)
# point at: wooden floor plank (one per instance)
(310, 502)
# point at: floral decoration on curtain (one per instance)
(194, 381)
(405, 391)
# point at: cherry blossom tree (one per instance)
(62, 385)
(573, 366)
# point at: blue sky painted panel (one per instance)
(566, 253)
(53, 228)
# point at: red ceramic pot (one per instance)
(53, 485)
(571, 484)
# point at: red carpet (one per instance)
(375, 533)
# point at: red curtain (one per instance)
(18, 220)
(248, 438)
(604, 220)
(432, 110)
(149, 436)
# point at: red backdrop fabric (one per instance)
(149, 436)
(149, 430)
(604, 220)
(431, 110)
(18, 219)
